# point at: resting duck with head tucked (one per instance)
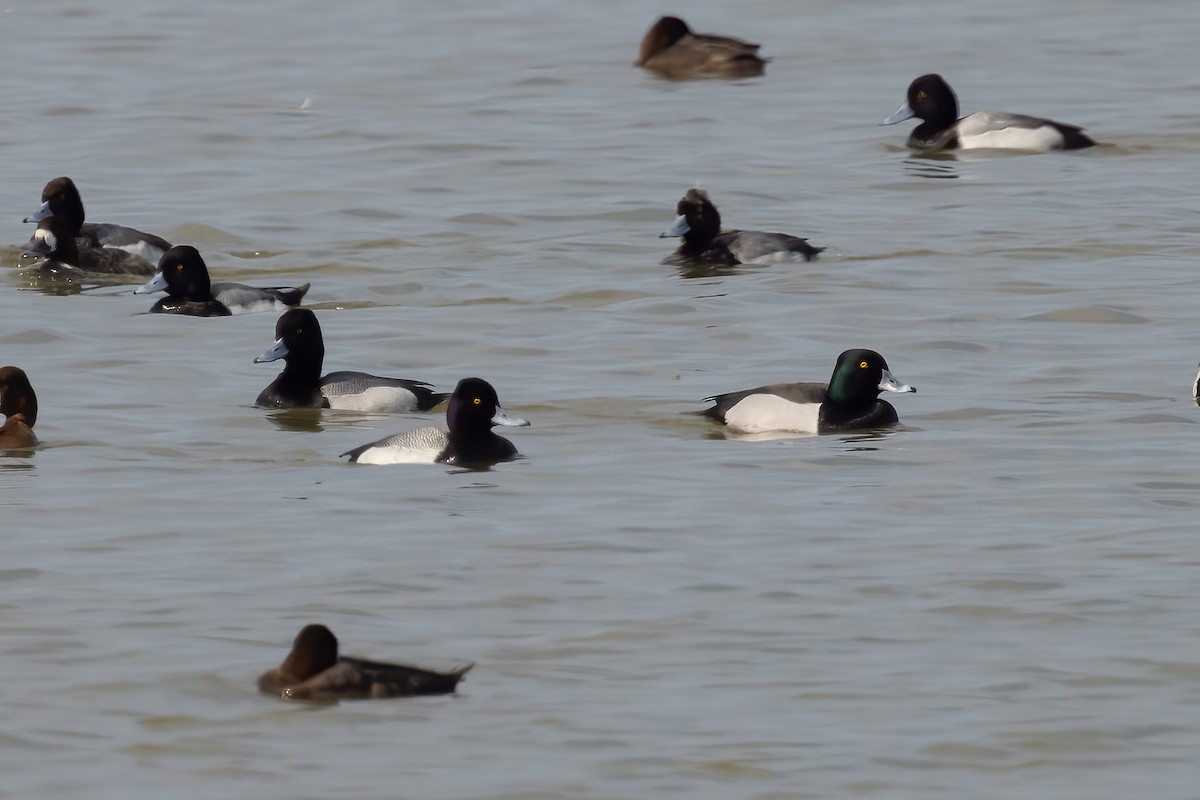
(672, 50)
(314, 671)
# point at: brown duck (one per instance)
(19, 404)
(314, 671)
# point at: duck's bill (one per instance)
(902, 113)
(889, 384)
(500, 418)
(677, 229)
(156, 284)
(278, 350)
(42, 213)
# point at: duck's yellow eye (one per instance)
(179, 267)
(863, 365)
(477, 400)
(921, 95)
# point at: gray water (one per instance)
(996, 599)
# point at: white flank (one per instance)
(981, 130)
(760, 413)
(378, 399)
(398, 455)
(421, 446)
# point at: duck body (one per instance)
(62, 250)
(672, 50)
(314, 671)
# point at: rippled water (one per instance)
(996, 599)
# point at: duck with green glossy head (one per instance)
(850, 401)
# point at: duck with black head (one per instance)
(698, 224)
(931, 100)
(183, 274)
(19, 406)
(850, 401)
(60, 198)
(313, 670)
(467, 441)
(671, 49)
(299, 343)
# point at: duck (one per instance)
(467, 441)
(699, 225)
(931, 100)
(62, 250)
(671, 49)
(18, 404)
(183, 274)
(314, 671)
(60, 198)
(299, 343)
(850, 401)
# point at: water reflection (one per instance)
(932, 165)
(297, 420)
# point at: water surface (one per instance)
(995, 599)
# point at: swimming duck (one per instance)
(314, 671)
(298, 341)
(932, 100)
(18, 404)
(672, 50)
(63, 250)
(467, 441)
(183, 274)
(704, 243)
(60, 198)
(848, 402)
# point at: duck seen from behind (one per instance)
(299, 343)
(183, 275)
(60, 198)
(18, 404)
(467, 441)
(704, 243)
(313, 670)
(671, 49)
(850, 401)
(932, 100)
